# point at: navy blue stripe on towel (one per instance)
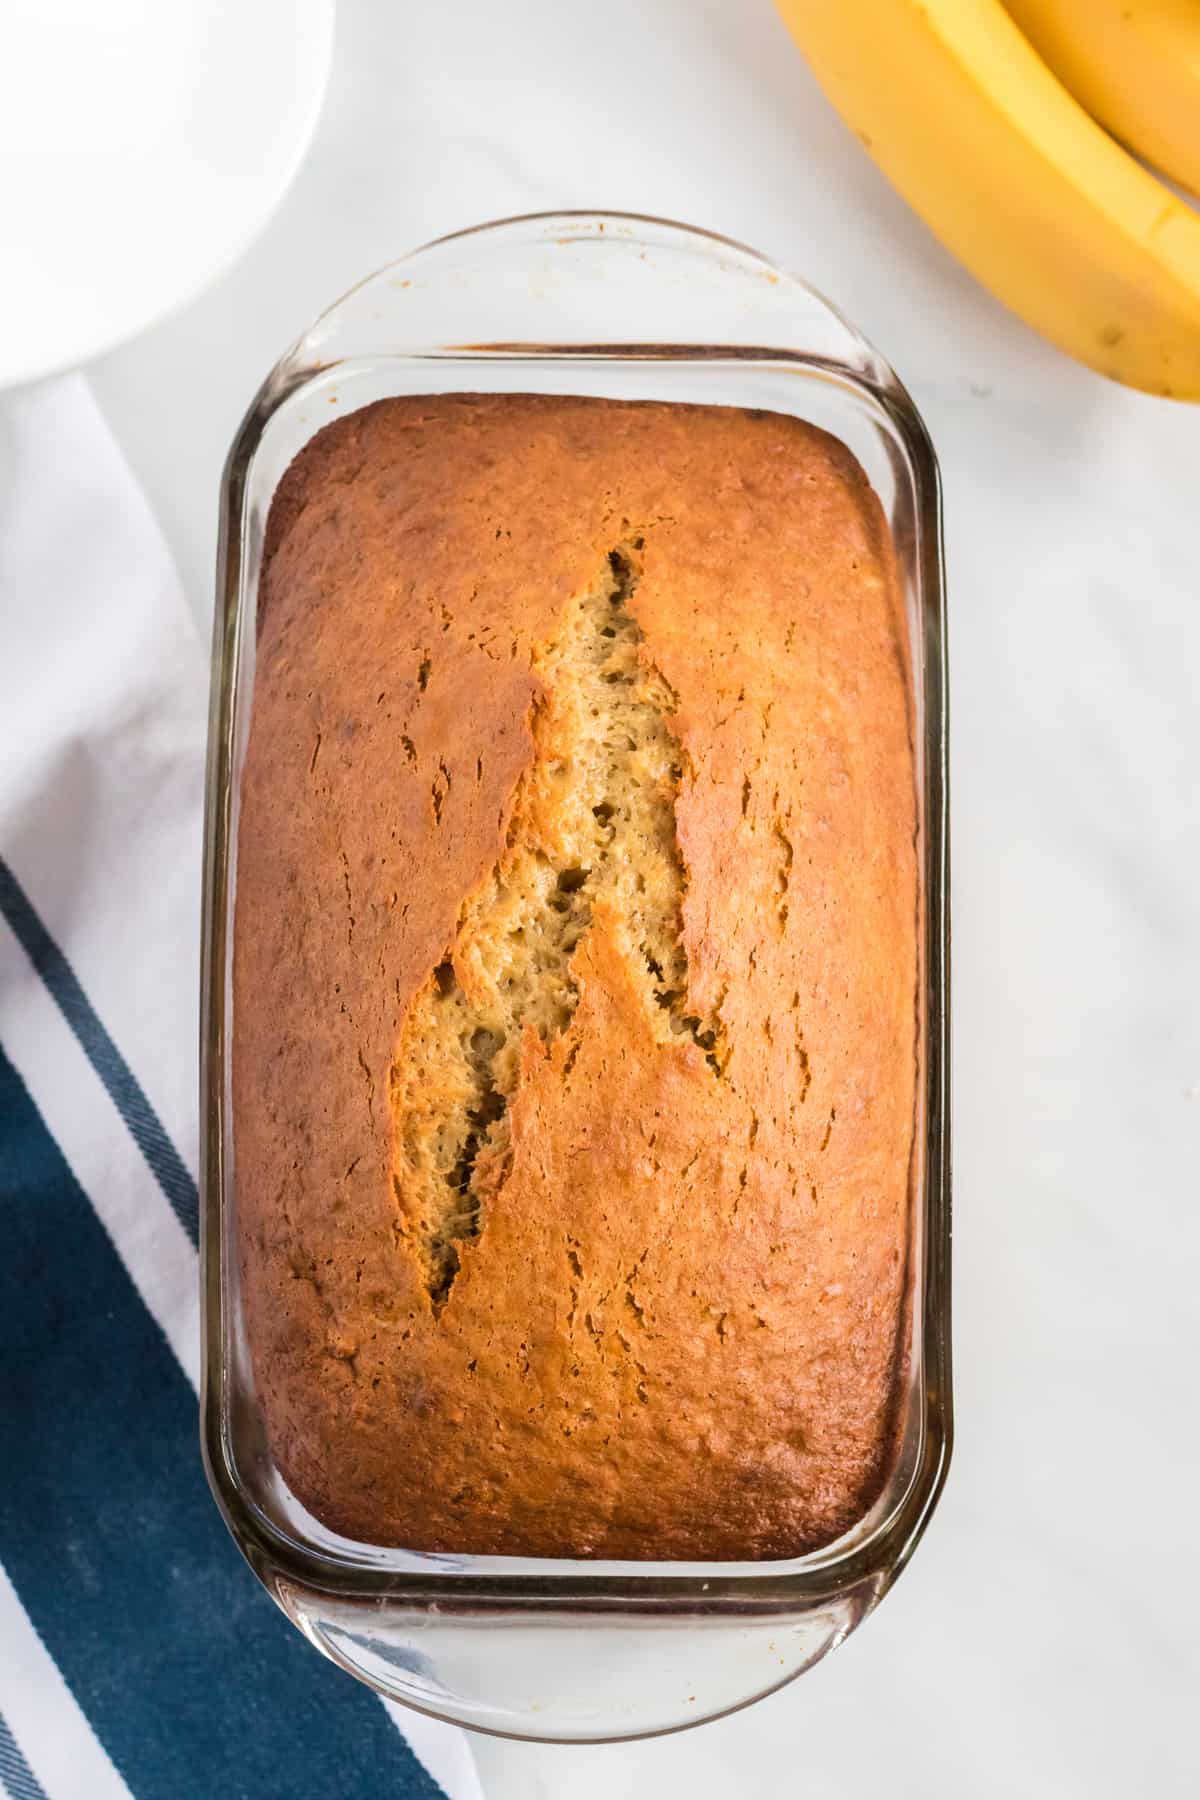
(15, 1772)
(193, 1681)
(166, 1165)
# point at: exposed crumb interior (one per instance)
(593, 819)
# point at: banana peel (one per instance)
(1135, 66)
(1016, 179)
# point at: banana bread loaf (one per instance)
(575, 984)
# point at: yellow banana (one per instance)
(1016, 179)
(1135, 65)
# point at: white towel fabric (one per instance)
(138, 1656)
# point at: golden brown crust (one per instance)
(675, 1336)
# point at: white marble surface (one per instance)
(1045, 1640)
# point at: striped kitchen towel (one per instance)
(138, 1655)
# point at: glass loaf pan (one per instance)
(567, 1650)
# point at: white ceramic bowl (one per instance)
(143, 145)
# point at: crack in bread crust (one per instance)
(593, 822)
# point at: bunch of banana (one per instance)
(991, 121)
